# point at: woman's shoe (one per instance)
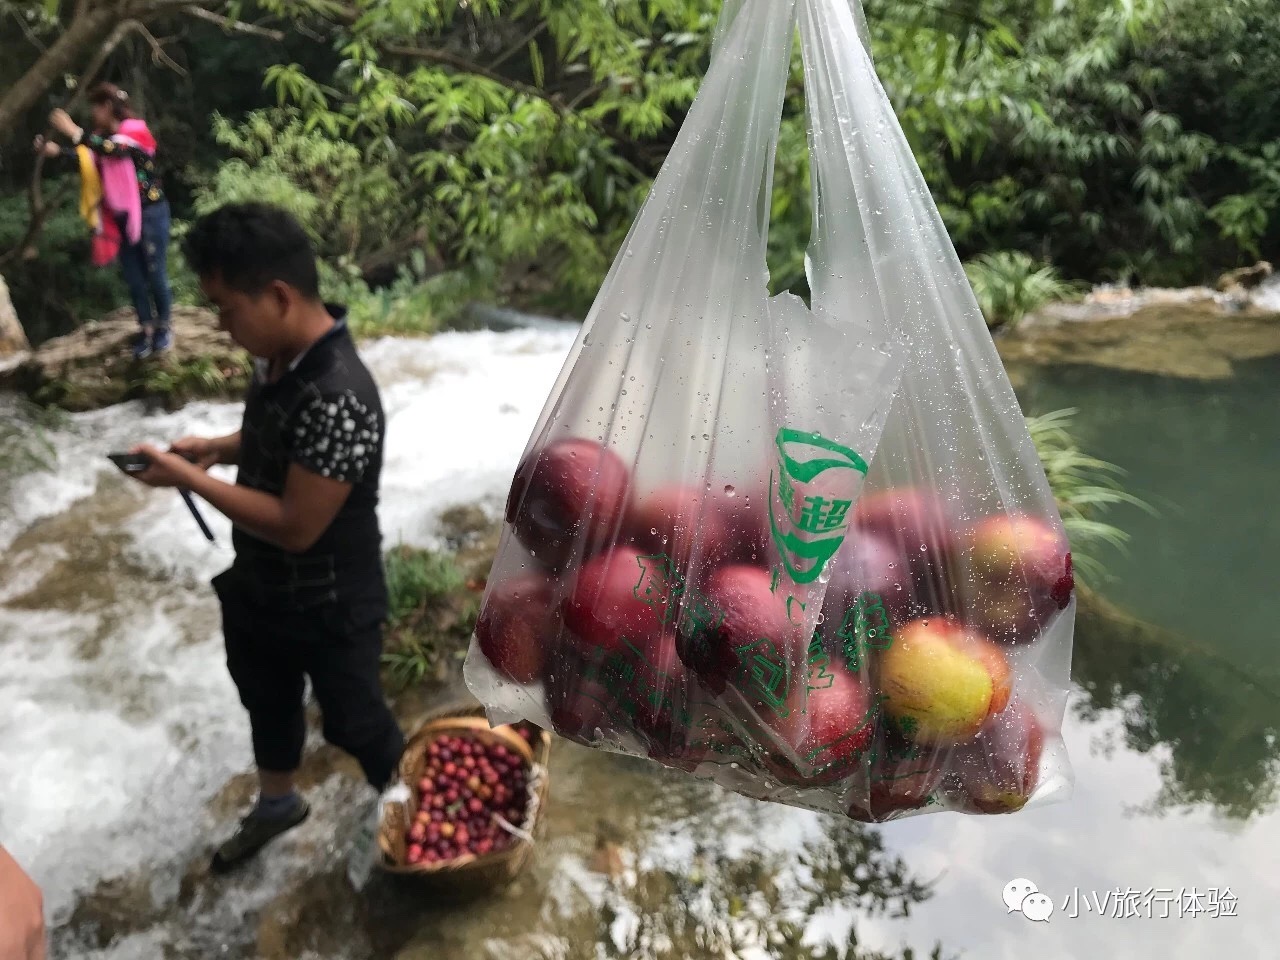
(142, 346)
(161, 340)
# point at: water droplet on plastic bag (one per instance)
(729, 491)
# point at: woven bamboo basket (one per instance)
(469, 874)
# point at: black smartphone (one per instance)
(130, 462)
(138, 462)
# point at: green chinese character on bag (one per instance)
(826, 518)
(765, 673)
(821, 515)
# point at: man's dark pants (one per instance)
(338, 644)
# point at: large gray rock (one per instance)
(13, 339)
(94, 367)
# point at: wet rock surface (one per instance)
(13, 339)
(1196, 333)
(94, 366)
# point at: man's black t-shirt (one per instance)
(325, 415)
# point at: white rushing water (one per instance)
(119, 726)
(1267, 296)
(117, 718)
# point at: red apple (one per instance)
(567, 499)
(841, 722)
(900, 781)
(619, 596)
(1023, 549)
(755, 660)
(919, 524)
(999, 770)
(685, 522)
(519, 622)
(942, 681)
(577, 703)
(414, 853)
(680, 522)
(656, 690)
(1008, 612)
(746, 612)
(869, 564)
(1021, 577)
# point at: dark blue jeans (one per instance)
(146, 267)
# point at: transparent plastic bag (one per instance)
(805, 552)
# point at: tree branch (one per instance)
(26, 248)
(114, 39)
(519, 45)
(236, 26)
(587, 94)
(447, 59)
(28, 32)
(157, 51)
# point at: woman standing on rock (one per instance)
(135, 213)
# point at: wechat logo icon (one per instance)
(1022, 896)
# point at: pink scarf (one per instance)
(120, 191)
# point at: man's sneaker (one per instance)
(142, 347)
(255, 832)
(161, 340)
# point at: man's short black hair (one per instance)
(250, 246)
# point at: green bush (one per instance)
(25, 446)
(417, 579)
(1085, 488)
(1009, 284)
(61, 288)
(432, 614)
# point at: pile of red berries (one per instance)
(465, 786)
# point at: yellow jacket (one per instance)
(90, 188)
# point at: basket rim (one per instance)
(472, 722)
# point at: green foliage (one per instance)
(1085, 488)
(418, 579)
(25, 446)
(1069, 130)
(546, 160)
(193, 378)
(61, 288)
(1009, 284)
(1132, 139)
(348, 204)
(432, 614)
(410, 305)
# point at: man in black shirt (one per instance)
(306, 594)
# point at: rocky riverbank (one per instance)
(1196, 333)
(94, 367)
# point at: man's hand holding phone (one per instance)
(204, 452)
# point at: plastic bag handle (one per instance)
(728, 14)
(731, 7)
(724, 24)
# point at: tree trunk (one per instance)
(13, 339)
(66, 53)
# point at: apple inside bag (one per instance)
(803, 550)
